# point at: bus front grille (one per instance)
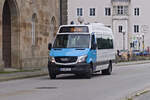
(66, 59)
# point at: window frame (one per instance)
(107, 11)
(120, 28)
(136, 11)
(136, 28)
(121, 10)
(92, 11)
(79, 11)
(34, 26)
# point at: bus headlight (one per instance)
(51, 59)
(82, 58)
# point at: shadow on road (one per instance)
(75, 77)
(72, 77)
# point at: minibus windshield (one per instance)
(72, 41)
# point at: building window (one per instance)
(107, 11)
(92, 11)
(125, 10)
(53, 27)
(79, 12)
(34, 22)
(120, 10)
(136, 28)
(136, 11)
(120, 28)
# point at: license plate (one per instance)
(65, 69)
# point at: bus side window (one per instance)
(105, 42)
(93, 43)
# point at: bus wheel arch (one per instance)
(108, 71)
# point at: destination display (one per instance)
(74, 29)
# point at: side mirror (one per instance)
(49, 46)
(93, 47)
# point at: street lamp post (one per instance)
(123, 32)
(138, 39)
(143, 41)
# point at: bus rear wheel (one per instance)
(108, 71)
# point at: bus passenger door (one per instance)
(101, 52)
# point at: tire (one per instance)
(108, 71)
(90, 73)
(52, 76)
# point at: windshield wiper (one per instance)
(80, 49)
(57, 49)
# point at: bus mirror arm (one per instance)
(49, 46)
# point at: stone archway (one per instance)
(10, 34)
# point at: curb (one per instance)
(137, 94)
(2, 79)
(132, 63)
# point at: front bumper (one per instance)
(79, 68)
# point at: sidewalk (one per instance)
(140, 95)
(132, 63)
(12, 74)
(145, 96)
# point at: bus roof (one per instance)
(93, 27)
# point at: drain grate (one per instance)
(46, 88)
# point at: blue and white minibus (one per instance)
(81, 50)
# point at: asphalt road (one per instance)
(123, 81)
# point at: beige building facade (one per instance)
(26, 28)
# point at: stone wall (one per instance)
(25, 52)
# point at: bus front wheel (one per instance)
(90, 73)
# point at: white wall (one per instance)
(86, 5)
(143, 19)
(128, 24)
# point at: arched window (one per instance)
(53, 26)
(34, 22)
